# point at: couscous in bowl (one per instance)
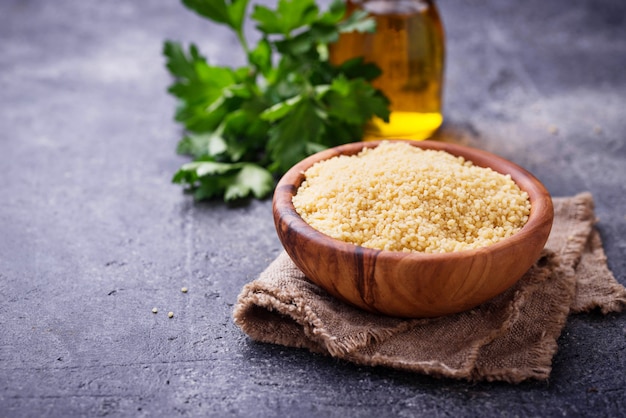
(411, 284)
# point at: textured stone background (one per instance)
(93, 235)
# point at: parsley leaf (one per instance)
(244, 127)
(288, 16)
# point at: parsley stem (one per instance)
(243, 41)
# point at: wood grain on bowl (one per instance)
(413, 284)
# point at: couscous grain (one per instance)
(399, 197)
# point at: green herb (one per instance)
(246, 126)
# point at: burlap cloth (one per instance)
(511, 338)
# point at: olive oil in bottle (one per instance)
(409, 48)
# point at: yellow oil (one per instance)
(409, 48)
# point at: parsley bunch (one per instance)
(246, 126)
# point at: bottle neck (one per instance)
(384, 7)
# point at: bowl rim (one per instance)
(540, 200)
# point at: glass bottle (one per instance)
(409, 48)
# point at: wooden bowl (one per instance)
(412, 285)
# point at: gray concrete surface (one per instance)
(93, 235)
